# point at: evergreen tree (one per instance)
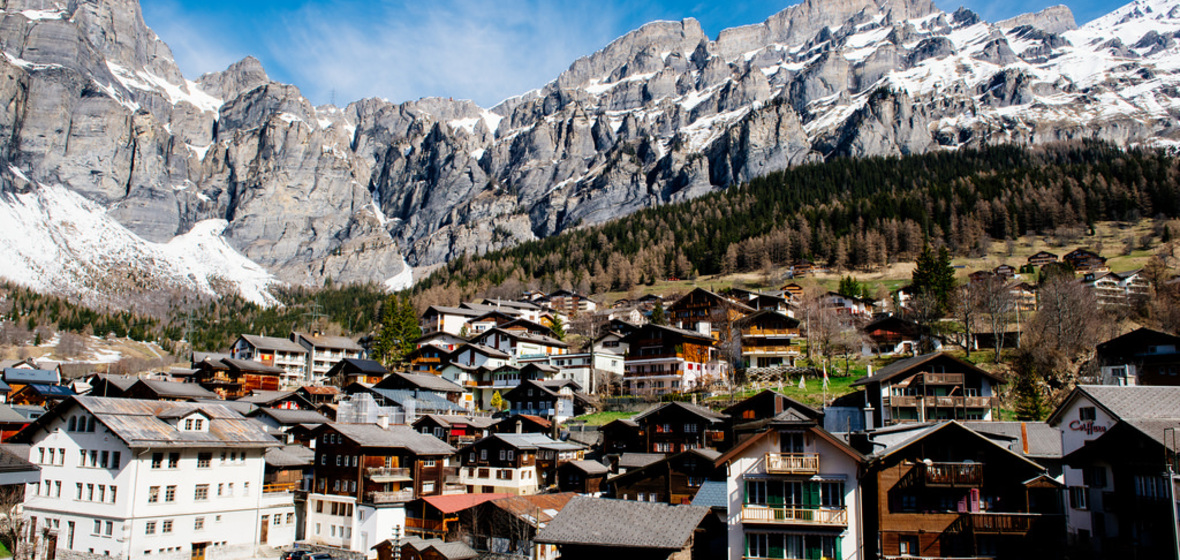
(657, 314)
(850, 287)
(934, 277)
(399, 330)
(558, 327)
(1030, 400)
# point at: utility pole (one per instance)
(316, 313)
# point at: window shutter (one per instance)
(839, 540)
(774, 492)
(775, 550)
(746, 501)
(811, 494)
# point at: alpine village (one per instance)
(865, 281)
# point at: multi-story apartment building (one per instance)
(323, 352)
(706, 312)
(792, 492)
(232, 378)
(138, 479)
(364, 475)
(667, 360)
(935, 386)
(273, 351)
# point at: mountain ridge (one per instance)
(659, 115)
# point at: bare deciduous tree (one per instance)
(12, 518)
(995, 303)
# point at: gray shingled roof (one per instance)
(289, 456)
(712, 494)
(273, 343)
(695, 409)
(175, 389)
(292, 417)
(590, 467)
(1043, 440)
(1137, 401)
(426, 381)
(372, 435)
(424, 401)
(340, 342)
(143, 423)
(622, 523)
(1154, 427)
(636, 460)
(10, 416)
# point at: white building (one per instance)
(274, 351)
(141, 479)
(794, 487)
(324, 351)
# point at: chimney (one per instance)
(519, 427)
(383, 421)
(1024, 436)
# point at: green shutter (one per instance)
(811, 494)
(812, 548)
(839, 541)
(746, 501)
(774, 492)
(748, 553)
(776, 546)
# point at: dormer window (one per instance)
(195, 422)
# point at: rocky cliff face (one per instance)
(92, 101)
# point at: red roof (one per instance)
(537, 419)
(459, 502)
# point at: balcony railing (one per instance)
(943, 378)
(792, 463)
(952, 474)
(795, 515)
(536, 411)
(983, 523)
(394, 497)
(905, 401)
(280, 487)
(388, 474)
(755, 331)
(759, 350)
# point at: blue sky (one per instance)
(485, 50)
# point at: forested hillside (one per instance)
(853, 214)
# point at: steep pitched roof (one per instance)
(252, 367)
(423, 400)
(900, 444)
(424, 381)
(289, 456)
(622, 523)
(1123, 403)
(141, 423)
(452, 503)
(691, 408)
(25, 376)
(291, 417)
(173, 389)
(1043, 440)
(358, 365)
(273, 343)
(905, 366)
(372, 435)
(589, 467)
(324, 341)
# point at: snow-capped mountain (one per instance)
(115, 161)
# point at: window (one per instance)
(150, 528)
(791, 442)
(202, 493)
(199, 424)
(52, 451)
(166, 527)
(1094, 477)
(170, 494)
(1086, 413)
(109, 528)
(503, 454)
(831, 494)
(116, 459)
(104, 459)
(278, 519)
(755, 492)
(188, 425)
(483, 454)
(907, 545)
(1147, 486)
(114, 491)
(90, 492)
(203, 460)
(690, 428)
(153, 493)
(198, 523)
(157, 459)
(97, 527)
(1077, 498)
(173, 460)
(510, 454)
(290, 518)
(220, 489)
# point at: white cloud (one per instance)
(485, 51)
(195, 42)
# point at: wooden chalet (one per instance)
(1005, 271)
(105, 385)
(356, 370)
(583, 477)
(930, 387)
(1085, 260)
(769, 404)
(701, 309)
(767, 337)
(231, 378)
(507, 527)
(674, 479)
(37, 394)
(677, 426)
(516, 463)
(438, 516)
(376, 465)
(319, 395)
(891, 335)
(1140, 357)
(11, 422)
(668, 360)
(1042, 258)
(456, 430)
(947, 491)
(522, 424)
(551, 399)
(621, 436)
(427, 359)
(801, 268)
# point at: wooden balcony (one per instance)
(426, 525)
(770, 350)
(952, 475)
(755, 331)
(792, 463)
(931, 378)
(280, 487)
(897, 401)
(786, 515)
(981, 523)
(394, 497)
(388, 474)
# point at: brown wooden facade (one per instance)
(378, 475)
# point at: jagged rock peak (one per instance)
(240, 77)
(1054, 19)
(662, 36)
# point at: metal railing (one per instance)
(795, 515)
(792, 463)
